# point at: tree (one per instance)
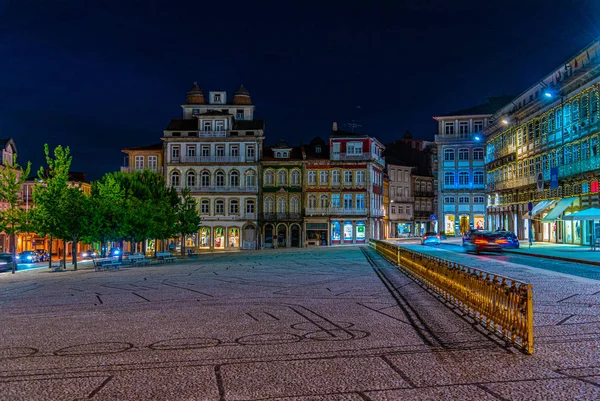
(188, 219)
(107, 211)
(76, 222)
(13, 219)
(49, 194)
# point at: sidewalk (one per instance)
(566, 252)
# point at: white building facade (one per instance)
(214, 152)
(461, 169)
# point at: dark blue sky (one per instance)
(100, 78)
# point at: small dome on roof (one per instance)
(195, 95)
(242, 96)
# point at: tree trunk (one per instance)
(144, 246)
(64, 255)
(121, 250)
(74, 252)
(102, 248)
(182, 244)
(50, 253)
(13, 238)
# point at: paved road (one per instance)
(559, 266)
(299, 325)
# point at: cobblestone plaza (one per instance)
(305, 324)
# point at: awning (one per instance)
(540, 206)
(560, 207)
(587, 214)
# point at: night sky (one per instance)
(101, 78)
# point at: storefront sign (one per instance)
(347, 230)
(360, 230)
(335, 231)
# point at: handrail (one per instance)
(501, 304)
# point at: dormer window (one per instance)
(217, 98)
(318, 149)
(282, 154)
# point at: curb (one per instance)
(537, 255)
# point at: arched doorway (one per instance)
(268, 236)
(249, 238)
(295, 236)
(281, 236)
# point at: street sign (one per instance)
(530, 206)
(433, 217)
(540, 182)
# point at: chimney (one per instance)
(334, 128)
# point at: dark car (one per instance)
(28, 257)
(507, 239)
(6, 262)
(89, 254)
(42, 254)
(482, 241)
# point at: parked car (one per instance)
(89, 254)
(42, 254)
(507, 239)
(6, 262)
(28, 257)
(430, 238)
(481, 241)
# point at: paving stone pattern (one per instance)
(310, 324)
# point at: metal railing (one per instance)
(500, 304)
(126, 169)
(281, 216)
(212, 134)
(207, 159)
(222, 188)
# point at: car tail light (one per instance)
(425, 237)
(481, 241)
(501, 241)
(437, 236)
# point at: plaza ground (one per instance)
(304, 324)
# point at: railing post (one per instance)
(529, 320)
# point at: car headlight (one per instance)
(85, 255)
(29, 257)
(18, 257)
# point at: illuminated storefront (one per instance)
(348, 231)
(234, 237)
(336, 235)
(479, 222)
(360, 232)
(219, 237)
(205, 237)
(449, 221)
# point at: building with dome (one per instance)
(214, 151)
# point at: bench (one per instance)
(138, 259)
(165, 257)
(57, 266)
(106, 264)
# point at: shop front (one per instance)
(479, 222)
(449, 225)
(403, 229)
(316, 233)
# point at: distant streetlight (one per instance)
(548, 94)
(477, 138)
(505, 122)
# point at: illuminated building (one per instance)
(542, 152)
(281, 193)
(214, 152)
(461, 167)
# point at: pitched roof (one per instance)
(493, 105)
(155, 146)
(295, 154)
(180, 124)
(310, 150)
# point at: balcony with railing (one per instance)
(220, 188)
(127, 169)
(212, 134)
(361, 156)
(403, 199)
(281, 216)
(424, 194)
(423, 214)
(324, 211)
(207, 159)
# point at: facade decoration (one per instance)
(542, 154)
